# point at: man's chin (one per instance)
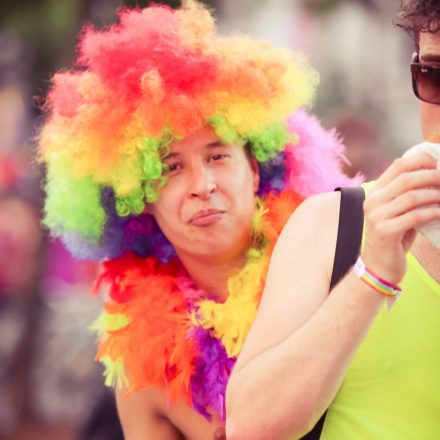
(214, 251)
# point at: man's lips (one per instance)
(206, 217)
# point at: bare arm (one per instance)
(302, 341)
(296, 354)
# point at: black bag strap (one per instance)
(348, 244)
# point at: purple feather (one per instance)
(213, 368)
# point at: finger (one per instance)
(404, 164)
(403, 183)
(409, 201)
(406, 182)
(398, 226)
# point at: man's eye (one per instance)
(172, 168)
(218, 156)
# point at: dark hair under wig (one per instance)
(417, 16)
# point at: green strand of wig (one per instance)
(72, 204)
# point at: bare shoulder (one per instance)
(148, 401)
(141, 415)
(316, 214)
(148, 413)
(309, 235)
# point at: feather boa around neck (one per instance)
(159, 330)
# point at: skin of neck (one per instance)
(428, 255)
(211, 273)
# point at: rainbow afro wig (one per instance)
(157, 75)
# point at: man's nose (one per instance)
(202, 182)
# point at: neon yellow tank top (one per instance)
(392, 387)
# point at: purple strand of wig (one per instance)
(139, 234)
(272, 175)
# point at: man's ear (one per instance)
(256, 173)
(148, 209)
(414, 56)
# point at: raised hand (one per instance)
(407, 195)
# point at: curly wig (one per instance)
(156, 75)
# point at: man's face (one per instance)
(430, 113)
(206, 207)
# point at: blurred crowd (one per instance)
(49, 383)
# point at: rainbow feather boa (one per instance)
(158, 330)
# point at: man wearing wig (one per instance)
(368, 352)
(176, 156)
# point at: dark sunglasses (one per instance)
(426, 81)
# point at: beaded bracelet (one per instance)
(385, 288)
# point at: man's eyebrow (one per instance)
(171, 155)
(210, 145)
(216, 144)
(433, 58)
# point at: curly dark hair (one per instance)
(417, 16)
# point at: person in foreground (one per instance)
(176, 156)
(369, 357)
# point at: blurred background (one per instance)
(49, 384)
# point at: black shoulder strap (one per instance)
(351, 219)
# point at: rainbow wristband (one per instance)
(385, 288)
